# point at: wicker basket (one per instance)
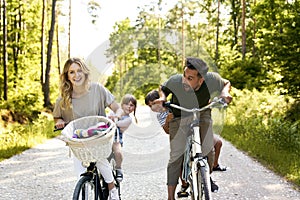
(92, 148)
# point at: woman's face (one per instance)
(76, 75)
(128, 108)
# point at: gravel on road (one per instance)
(46, 171)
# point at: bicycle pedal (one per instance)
(119, 179)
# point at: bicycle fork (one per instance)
(200, 168)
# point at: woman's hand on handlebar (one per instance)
(60, 124)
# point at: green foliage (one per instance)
(25, 102)
(247, 74)
(278, 42)
(15, 138)
(257, 123)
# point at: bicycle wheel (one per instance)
(204, 179)
(86, 189)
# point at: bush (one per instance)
(257, 122)
(16, 137)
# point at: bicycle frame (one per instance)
(92, 175)
(91, 178)
(200, 172)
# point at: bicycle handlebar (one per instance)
(59, 129)
(215, 101)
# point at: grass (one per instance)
(282, 162)
(257, 123)
(16, 138)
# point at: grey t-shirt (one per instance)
(215, 83)
(92, 103)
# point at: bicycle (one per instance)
(91, 185)
(199, 176)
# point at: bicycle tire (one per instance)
(85, 189)
(205, 183)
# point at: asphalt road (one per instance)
(46, 171)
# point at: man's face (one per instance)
(191, 81)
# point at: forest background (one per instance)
(255, 44)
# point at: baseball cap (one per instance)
(198, 64)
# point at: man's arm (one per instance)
(162, 95)
(157, 105)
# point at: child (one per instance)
(128, 104)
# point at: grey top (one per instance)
(92, 103)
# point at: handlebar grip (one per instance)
(57, 129)
(166, 104)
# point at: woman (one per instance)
(79, 98)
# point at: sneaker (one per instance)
(183, 191)
(219, 168)
(119, 175)
(214, 187)
(113, 194)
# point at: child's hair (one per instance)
(151, 96)
(130, 98)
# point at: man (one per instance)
(162, 116)
(190, 90)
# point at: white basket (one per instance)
(93, 148)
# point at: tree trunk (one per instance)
(46, 85)
(69, 33)
(243, 29)
(16, 48)
(58, 47)
(217, 34)
(4, 52)
(254, 33)
(234, 16)
(43, 41)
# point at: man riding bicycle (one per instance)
(190, 90)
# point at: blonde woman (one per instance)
(79, 98)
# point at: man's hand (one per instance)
(226, 96)
(157, 105)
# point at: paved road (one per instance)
(46, 172)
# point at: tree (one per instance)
(243, 29)
(43, 40)
(69, 28)
(4, 28)
(46, 83)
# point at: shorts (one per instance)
(179, 131)
(120, 136)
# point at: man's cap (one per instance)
(197, 63)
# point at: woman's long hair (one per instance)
(66, 87)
